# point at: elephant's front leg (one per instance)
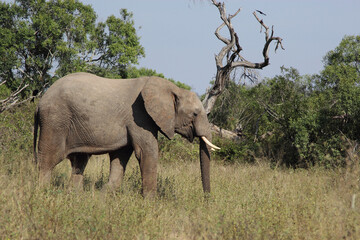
(118, 162)
(146, 151)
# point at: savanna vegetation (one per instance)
(248, 201)
(292, 174)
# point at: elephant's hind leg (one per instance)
(78, 164)
(51, 152)
(118, 162)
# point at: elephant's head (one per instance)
(177, 110)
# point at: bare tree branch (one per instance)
(234, 59)
(3, 82)
(225, 133)
(269, 110)
(14, 98)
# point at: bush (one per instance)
(16, 132)
(233, 151)
(177, 149)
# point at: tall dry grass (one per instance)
(247, 202)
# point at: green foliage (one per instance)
(179, 84)
(235, 107)
(347, 53)
(178, 149)
(38, 37)
(4, 91)
(233, 152)
(16, 131)
(298, 120)
(134, 72)
(115, 47)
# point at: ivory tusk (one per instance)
(213, 147)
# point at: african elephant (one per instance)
(82, 114)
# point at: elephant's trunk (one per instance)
(205, 165)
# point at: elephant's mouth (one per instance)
(189, 133)
(186, 132)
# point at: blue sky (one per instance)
(179, 41)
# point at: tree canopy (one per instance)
(41, 41)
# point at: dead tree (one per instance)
(229, 56)
(14, 98)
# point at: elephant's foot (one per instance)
(111, 186)
(77, 182)
(108, 187)
(44, 178)
(149, 185)
(115, 178)
(149, 194)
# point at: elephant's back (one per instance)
(79, 83)
(86, 86)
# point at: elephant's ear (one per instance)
(159, 101)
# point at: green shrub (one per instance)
(16, 135)
(233, 151)
(177, 149)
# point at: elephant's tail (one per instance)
(36, 124)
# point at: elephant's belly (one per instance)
(93, 150)
(98, 140)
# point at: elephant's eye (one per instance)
(195, 114)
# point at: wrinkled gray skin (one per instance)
(82, 114)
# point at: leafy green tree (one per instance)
(116, 47)
(347, 53)
(43, 40)
(338, 93)
(236, 108)
(299, 120)
(339, 85)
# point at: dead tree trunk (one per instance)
(234, 59)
